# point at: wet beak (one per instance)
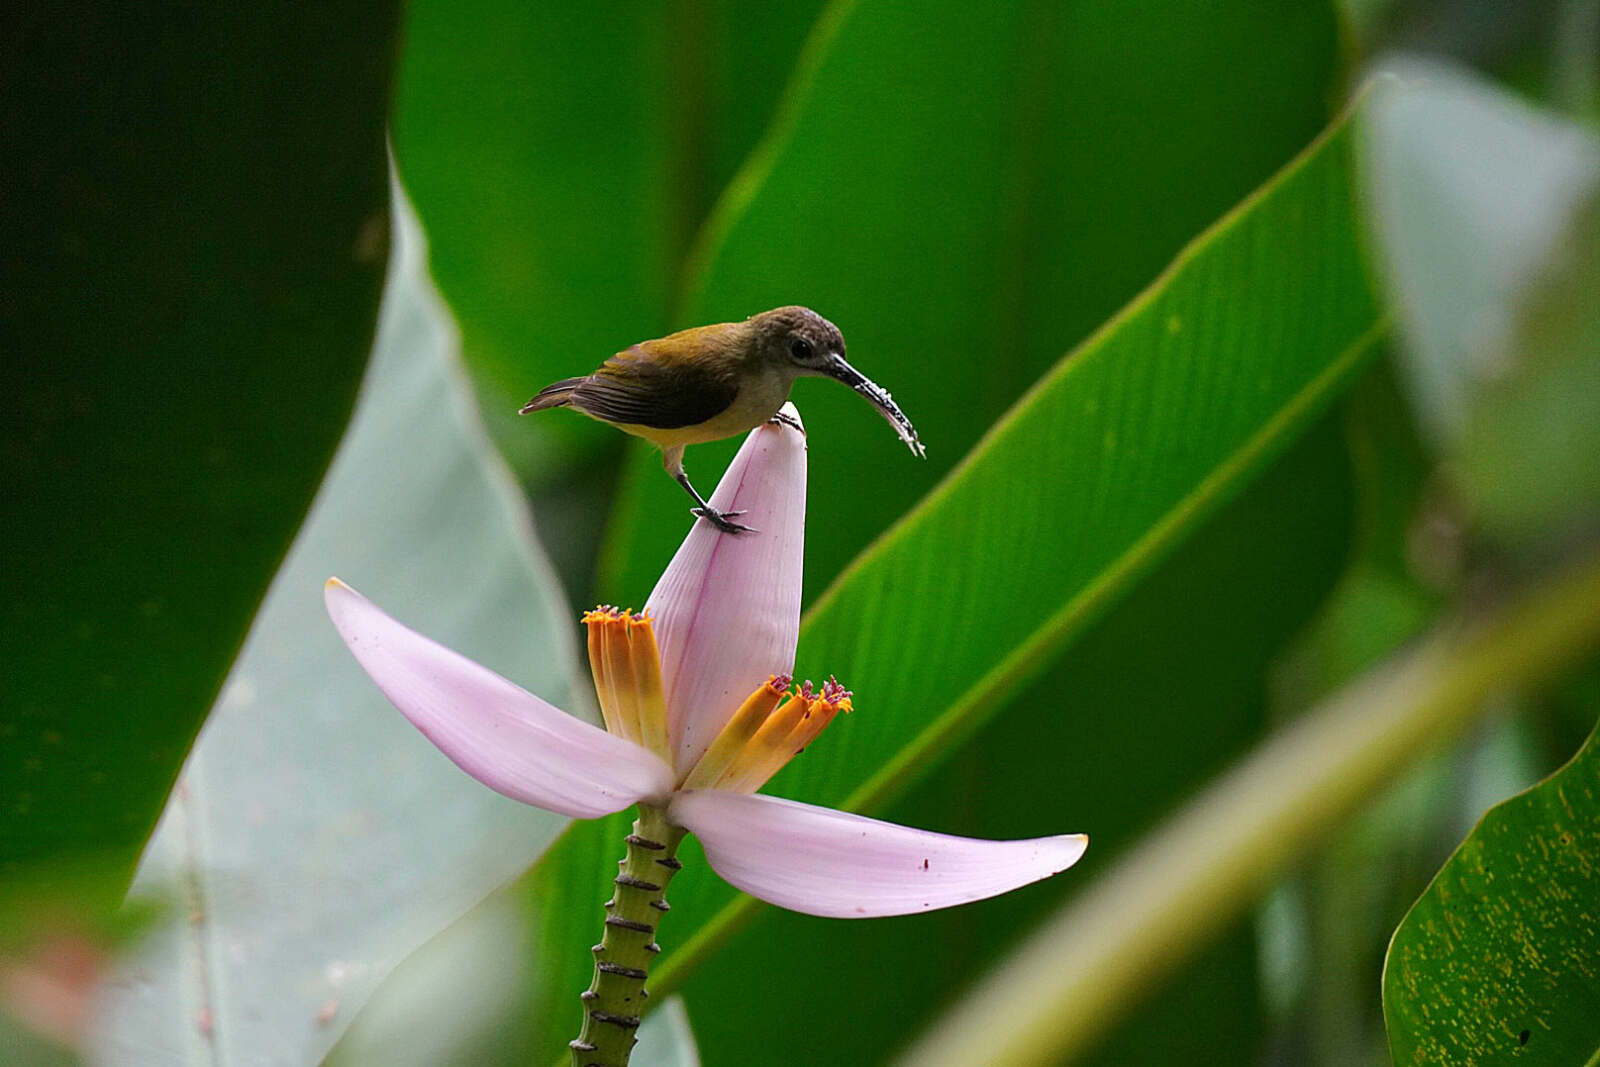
(838, 369)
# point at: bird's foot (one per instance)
(788, 420)
(722, 520)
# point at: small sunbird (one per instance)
(711, 382)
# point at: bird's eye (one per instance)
(800, 348)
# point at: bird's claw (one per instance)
(784, 419)
(722, 520)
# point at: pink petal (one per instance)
(826, 862)
(727, 610)
(498, 732)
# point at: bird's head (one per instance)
(799, 340)
(803, 343)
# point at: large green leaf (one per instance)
(1116, 457)
(191, 272)
(317, 838)
(1497, 962)
(968, 190)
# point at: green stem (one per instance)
(614, 1001)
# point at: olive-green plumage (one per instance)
(715, 381)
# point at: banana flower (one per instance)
(699, 713)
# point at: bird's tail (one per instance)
(558, 395)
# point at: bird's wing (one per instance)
(633, 389)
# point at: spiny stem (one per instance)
(614, 1001)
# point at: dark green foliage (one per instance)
(195, 243)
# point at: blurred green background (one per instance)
(1238, 383)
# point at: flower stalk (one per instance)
(614, 1001)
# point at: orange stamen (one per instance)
(651, 700)
(626, 664)
(599, 622)
(767, 751)
(746, 723)
(835, 698)
(787, 730)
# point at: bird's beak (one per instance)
(879, 397)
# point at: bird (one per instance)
(711, 382)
